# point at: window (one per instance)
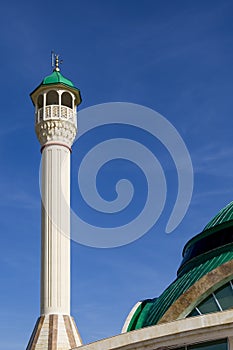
(220, 300)
(52, 98)
(225, 296)
(66, 99)
(208, 305)
(212, 345)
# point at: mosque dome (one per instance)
(207, 262)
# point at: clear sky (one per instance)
(172, 56)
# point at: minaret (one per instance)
(55, 101)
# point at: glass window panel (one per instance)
(208, 305)
(213, 345)
(193, 313)
(225, 296)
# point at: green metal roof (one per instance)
(225, 215)
(151, 311)
(57, 78)
(223, 219)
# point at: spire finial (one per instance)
(55, 62)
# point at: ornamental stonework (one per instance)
(55, 112)
(56, 131)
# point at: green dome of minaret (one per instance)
(57, 78)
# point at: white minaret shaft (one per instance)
(55, 230)
(55, 101)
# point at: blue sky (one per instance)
(172, 56)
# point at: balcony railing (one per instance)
(55, 112)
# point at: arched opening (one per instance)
(66, 99)
(52, 98)
(219, 300)
(40, 101)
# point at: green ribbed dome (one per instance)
(151, 311)
(225, 215)
(56, 78)
(221, 221)
(202, 254)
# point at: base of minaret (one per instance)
(54, 332)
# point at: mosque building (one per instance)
(194, 312)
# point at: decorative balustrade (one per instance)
(56, 112)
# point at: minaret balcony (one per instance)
(56, 112)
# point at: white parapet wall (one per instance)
(172, 335)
